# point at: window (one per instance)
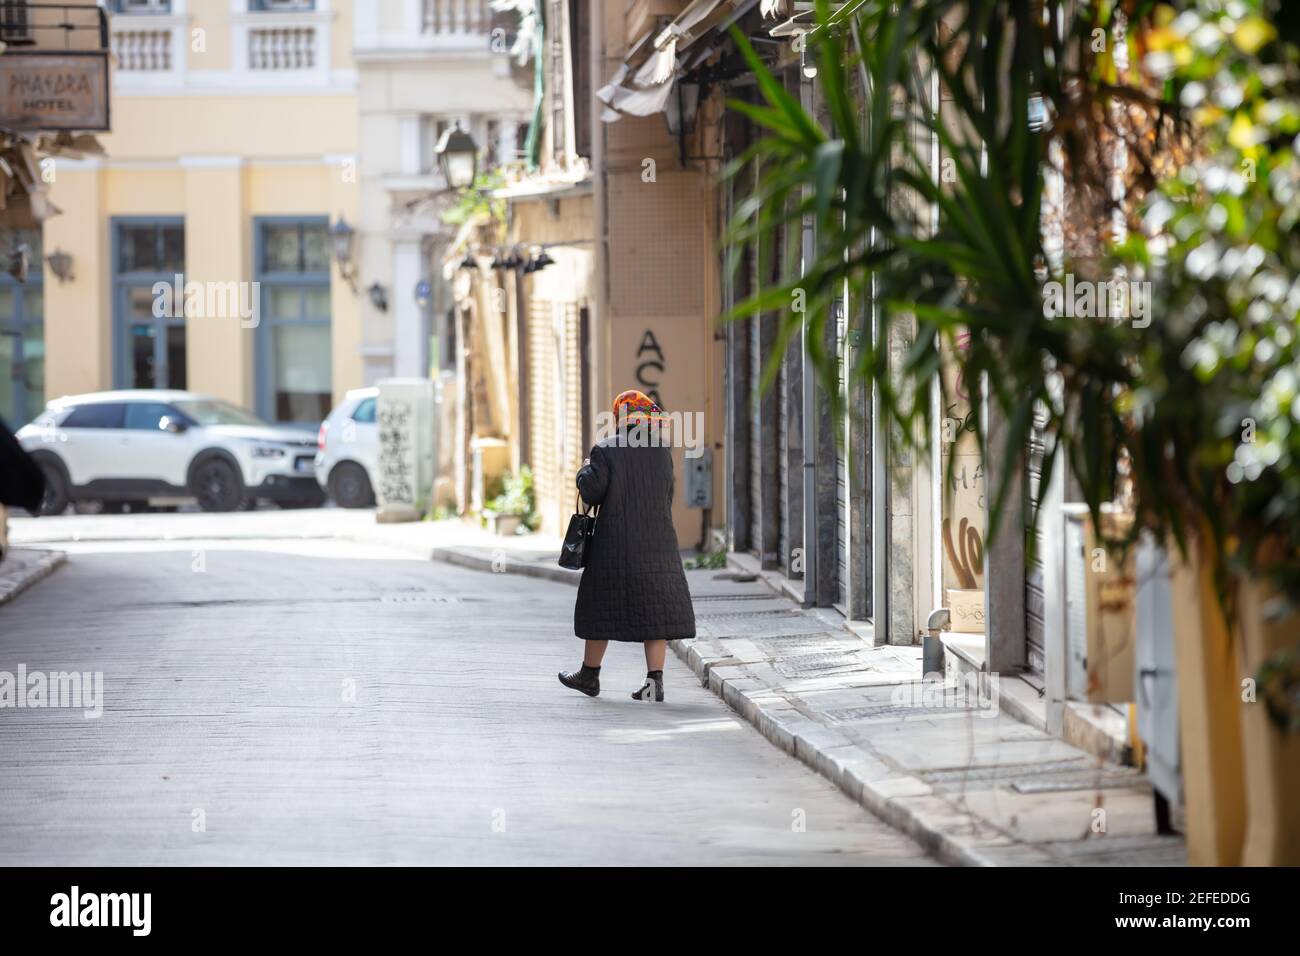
(142, 6)
(13, 25)
(294, 352)
(580, 14)
(95, 415)
(365, 412)
(151, 247)
(148, 416)
(149, 342)
(22, 337)
(211, 412)
(281, 6)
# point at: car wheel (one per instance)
(55, 500)
(350, 486)
(217, 486)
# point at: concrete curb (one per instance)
(18, 572)
(479, 562)
(891, 796)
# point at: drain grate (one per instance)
(759, 624)
(805, 664)
(778, 614)
(735, 597)
(1080, 780)
(888, 712)
(1056, 776)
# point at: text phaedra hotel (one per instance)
(201, 245)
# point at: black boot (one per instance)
(653, 688)
(586, 680)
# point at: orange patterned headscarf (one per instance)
(634, 407)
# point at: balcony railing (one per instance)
(282, 48)
(457, 16)
(142, 50)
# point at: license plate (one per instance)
(304, 464)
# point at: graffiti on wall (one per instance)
(396, 452)
(650, 366)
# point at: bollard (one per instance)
(931, 646)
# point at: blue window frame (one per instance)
(22, 337)
(280, 6)
(153, 7)
(293, 357)
(148, 349)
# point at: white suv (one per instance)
(349, 450)
(130, 446)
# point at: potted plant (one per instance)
(514, 508)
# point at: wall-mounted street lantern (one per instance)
(343, 237)
(458, 156)
(378, 298)
(60, 263)
(680, 112)
(18, 261)
(682, 108)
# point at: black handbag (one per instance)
(573, 555)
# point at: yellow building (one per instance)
(231, 156)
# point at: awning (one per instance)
(645, 79)
(804, 18)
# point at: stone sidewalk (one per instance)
(23, 567)
(969, 782)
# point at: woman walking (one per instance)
(633, 588)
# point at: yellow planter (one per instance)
(1209, 716)
(1272, 758)
(1241, 773)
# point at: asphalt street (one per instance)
(288, 697)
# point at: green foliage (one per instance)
(1193, 420)
(516, 497)
(476, 202)
(709, 560)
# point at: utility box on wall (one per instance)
(698, 490)
(404, 413)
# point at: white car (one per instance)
(349, 450)
(130, 446)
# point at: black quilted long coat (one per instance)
(633, 587)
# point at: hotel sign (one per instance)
(54, 91)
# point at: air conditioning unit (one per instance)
(1100, 610)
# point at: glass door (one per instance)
(22, 347)
(149, 327)
(156, 350)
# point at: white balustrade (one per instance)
(457, 16)
(282, 48)
(142, 50)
